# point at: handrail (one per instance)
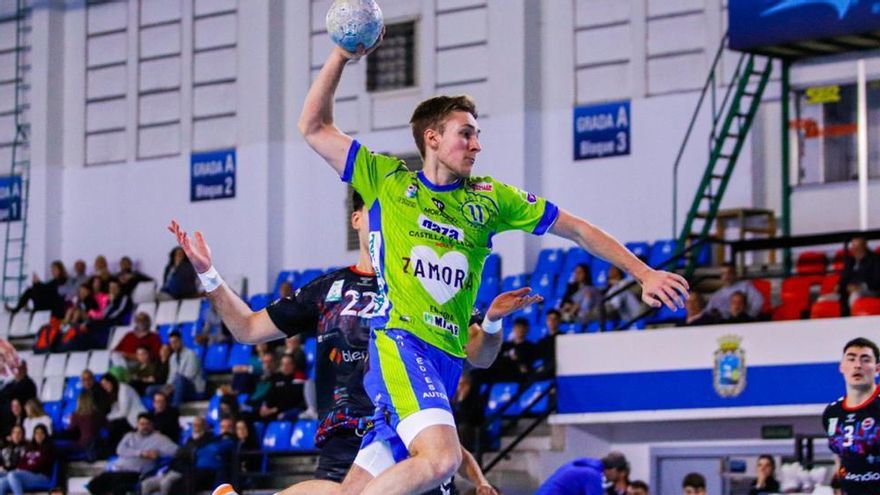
(551, 408)
(710, 80)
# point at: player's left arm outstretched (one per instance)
(246, 326)
(484, 340)
(658, 287)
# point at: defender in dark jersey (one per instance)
(851, 422)
(336, 308)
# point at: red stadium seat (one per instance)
(837, 264)
(866, 306)
(825, 309)
(829, 283)
(796, 290)
(810, 262)
(788, 311)
(764, 288)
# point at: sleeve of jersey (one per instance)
(365, 170)
(521, 210)
(296, 315)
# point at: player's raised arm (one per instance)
(485, 339)
(316, 121)
(246, 326)
(658, 287)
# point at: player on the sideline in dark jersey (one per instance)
(851, 422)
(336, 307)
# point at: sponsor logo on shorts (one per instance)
(445, 230)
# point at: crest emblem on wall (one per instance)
(729, 372)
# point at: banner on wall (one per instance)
(10, 198)
(601, 131)
(212, 175)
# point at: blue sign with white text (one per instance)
(759, 23)
(601, 130)
(10, 198)
(212, 175)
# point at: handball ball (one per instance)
(354, 22)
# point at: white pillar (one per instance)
(862, 145)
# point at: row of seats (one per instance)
(817, 262)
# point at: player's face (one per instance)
(459, 143)
(859, 367)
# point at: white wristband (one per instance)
(211, 279)
(491, 327)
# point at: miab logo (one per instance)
(442, 276)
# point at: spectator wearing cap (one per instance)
(138, 454)
(694, 484)
(185, 379)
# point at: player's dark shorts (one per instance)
(337, 455)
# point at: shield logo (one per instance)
(729, 372)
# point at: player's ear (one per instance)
(432, 138)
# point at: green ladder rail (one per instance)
(16, 231)
(731, 121)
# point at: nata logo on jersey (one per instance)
(443, 229)
(340, 356)
(441, 322)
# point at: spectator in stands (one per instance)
(861, 274)
(638, 487)
(166, 418)
(164, 481)
(293, 347)
(623, 306)
(185, 381)
(125, 353)
(138, 454)
(546, 348)
(22, 388)
(45, 295)
(35, 415)
(244, 376)
(78, 278)
(99, 395)
(247, 441)
(765, 481)
(212, 460)
(515, 358)
(285, 400)
(179, 280)
(696, 311)
(468, 409)
(13, 449)
(719, 303)
(580, 296)
(118, 305)
(694, 484)
(738, 312)
(145, 373)
(285, 289)
(267, 377)
(102, 272)
(83, 305)
(101, 293)
(129, 277)
(83, 436)
(34, 468)
(125, 406)
(13, 416)
(616, 469)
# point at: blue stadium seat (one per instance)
(217, 358)
(489, 288)
(492, 266)
(291, 276)
(642, 250)
(164, 330)
(259, 301)
(513, 282)
(307, 276)
(259, 429)
(570, 327)
(303, 435)
(666, 315)
(72, 388)
(66, 413)
(310, 347)
(550, 261)
(661, 251)
(599, 270)
(240, 354)
(204, 307)
(53, 410)
(596, 326)
(499, 395)
(188, 332)
(186, 433)
(277, 436)
(544, 284)
(212, 415)
(531, 395)
(147, 401)
(536, 333)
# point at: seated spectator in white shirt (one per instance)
(185, 379)
(719, 303)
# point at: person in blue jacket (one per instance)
(584, 476)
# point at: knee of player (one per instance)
(444, 465)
